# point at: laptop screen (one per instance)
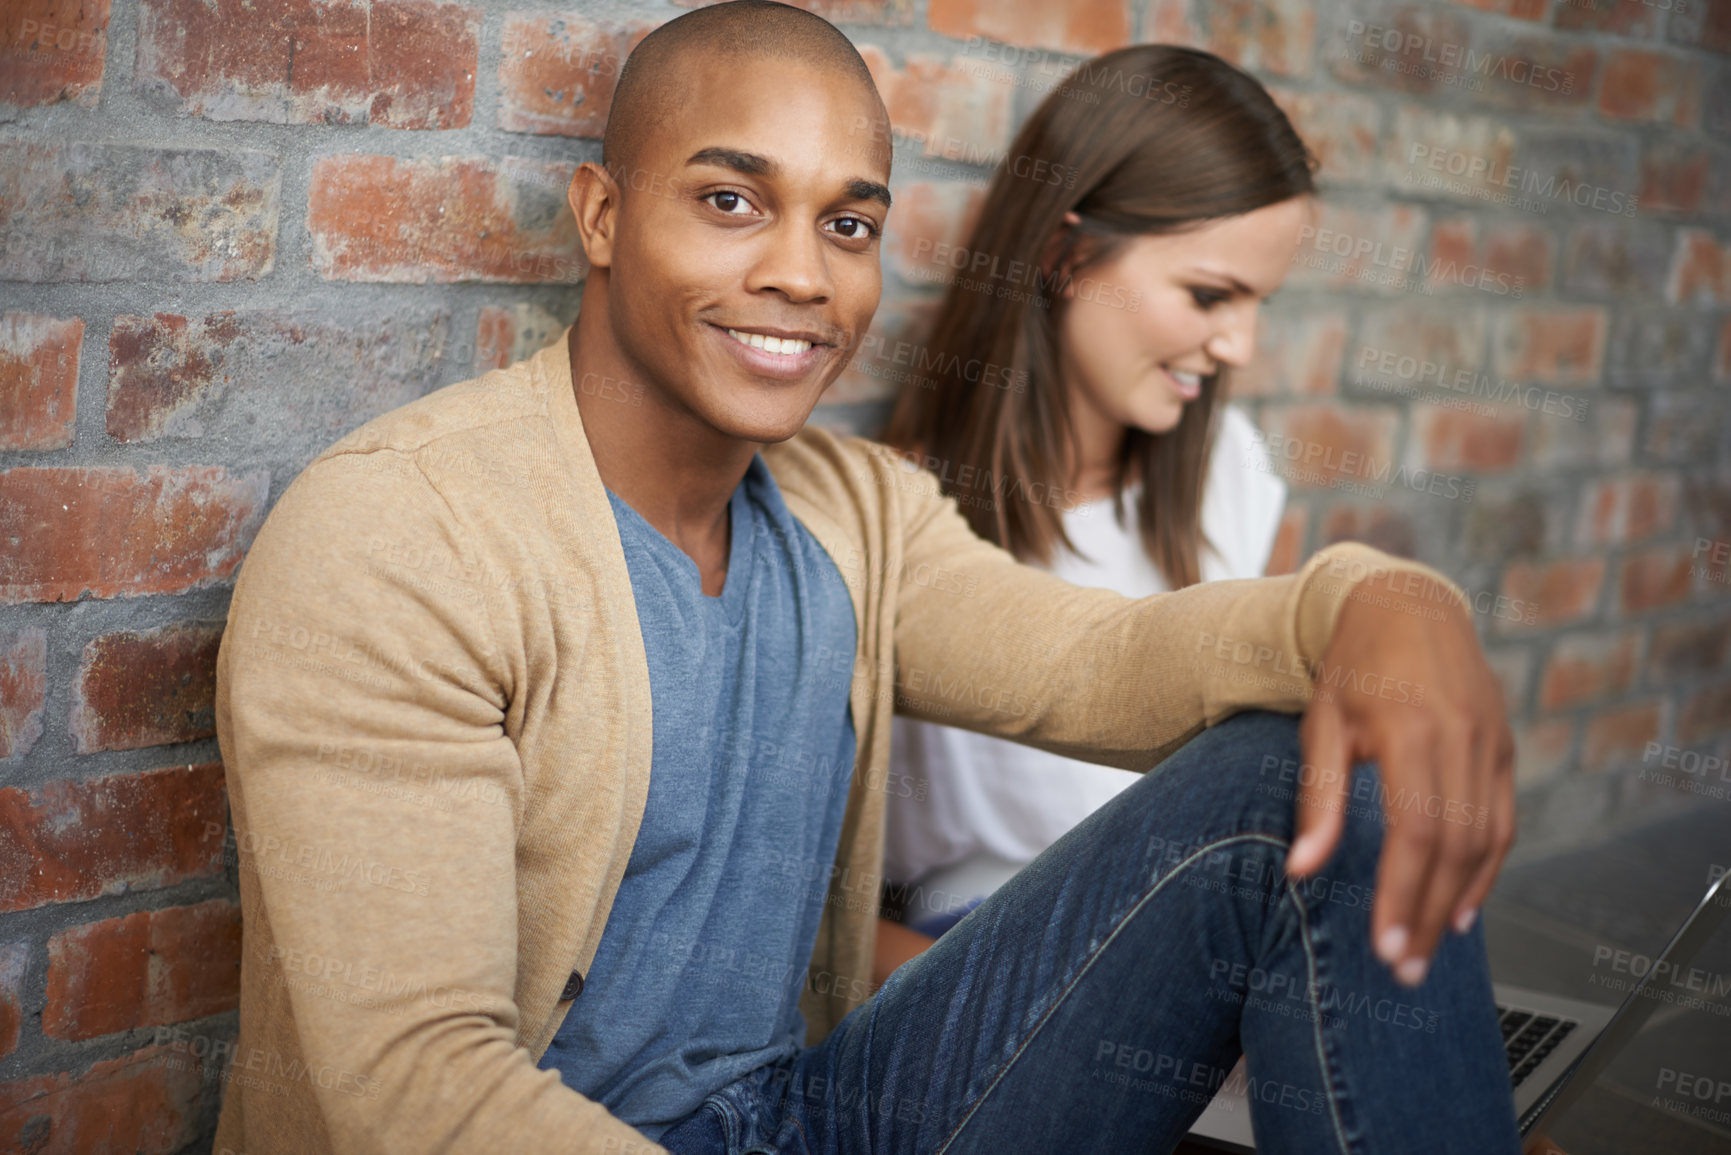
(1670, 1082)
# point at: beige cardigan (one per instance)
(434, 713)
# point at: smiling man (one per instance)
(555, 711)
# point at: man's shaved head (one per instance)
(655, 82)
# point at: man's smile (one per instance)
(787, 354)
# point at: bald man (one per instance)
(555, 709)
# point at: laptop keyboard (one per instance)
(1529, 1039)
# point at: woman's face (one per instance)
(1138, 333)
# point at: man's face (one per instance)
(751, 219)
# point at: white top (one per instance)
(992, 801)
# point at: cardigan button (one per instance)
(573, 987)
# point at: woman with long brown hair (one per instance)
(1143, 213)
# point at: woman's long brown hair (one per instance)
(1146, 140)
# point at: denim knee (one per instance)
(1245, 775)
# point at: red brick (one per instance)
(1585, 668)
(1445, 154)
(1368, 58)
(1550, 345)
(145, 1103)
(1632, 18)
(72, 841)
(1471, 440)
(1559, 591)
(38, 380)
(1674, 177)
(1705, 713)
(392, 63)
(1538, 73)
(1519, 9)
(1700, 270)
(1341, 129)
(504, 336)
(1523, 253)
(1085, 27)
(1288, 551)
(930, 216)
(958, 110)
(1606, 438)
(53, 50)
(1387, 529)
(1705, 25)
(1542, 751)
(1373, 250)
(1263, 36)
(85, 211)
(1330, 445)
(14, 958)
(111, 532)
(380, 218)
(1615, 739)
(1617, 256)
(1295, 354)
(1686, 649)
(1414, 345)
(841, 11)
(23, 688)
(243, 378)
(146, 969)
(557, 71)
(1507, 261)
(1622, 509)
(1656, 578)
(149, 688)
(1651, 86)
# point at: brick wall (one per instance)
(231, 231)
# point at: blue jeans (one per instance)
(1097, 1000)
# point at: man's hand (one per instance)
(1416, 695)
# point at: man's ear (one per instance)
(594, 200)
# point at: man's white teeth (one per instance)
(782, 346)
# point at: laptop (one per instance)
(1556, 1047)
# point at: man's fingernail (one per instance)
(1411, 972)
(1391, 943)
(1464, 920)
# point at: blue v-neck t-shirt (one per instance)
(697, 979)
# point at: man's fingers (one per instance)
(1497, 814)
(1326, 753)
(1408, 851)
(1461, 765)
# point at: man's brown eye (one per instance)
(726, 201)
(858, 229)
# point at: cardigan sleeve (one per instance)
(376, 798)
(988, 644)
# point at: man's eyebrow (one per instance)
(748, 163)
(751, 164)
(868, 190)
